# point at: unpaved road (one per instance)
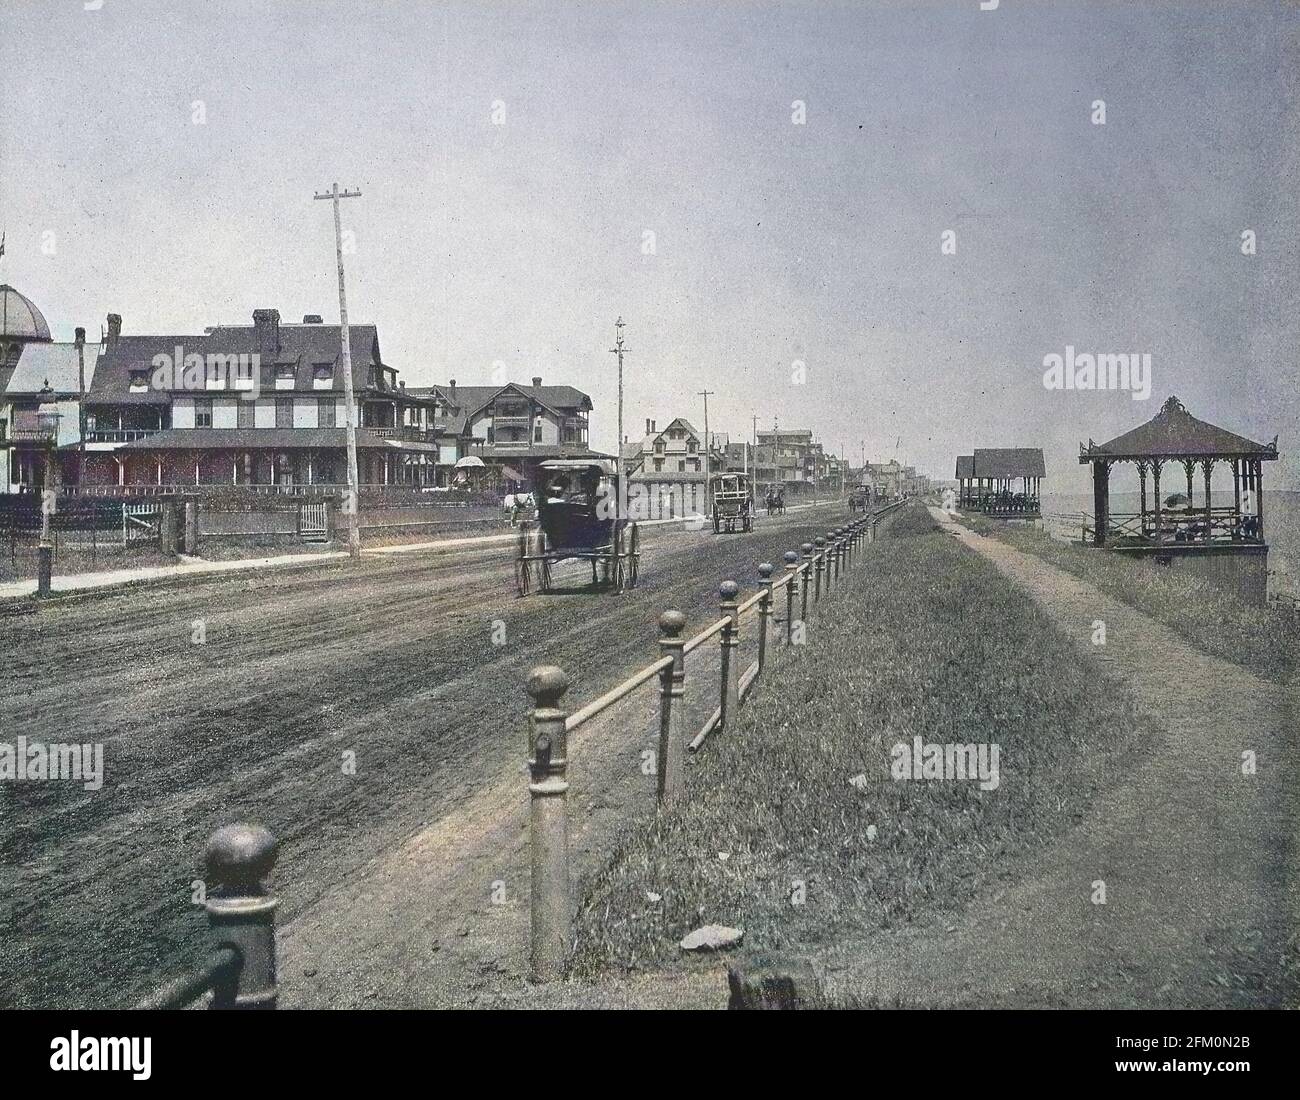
(392, 660)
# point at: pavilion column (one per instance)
(1100, 501)
(1236, 498)
(1142, 497)
(1189, 464)
(1259, 496)
(1207, 465)
(1155, 479)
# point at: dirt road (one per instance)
(392, 661)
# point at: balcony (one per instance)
(500, 421)
(119, 435)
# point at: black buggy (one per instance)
(576, 521)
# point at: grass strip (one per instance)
(926, 639)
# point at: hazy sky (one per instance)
(773, 241)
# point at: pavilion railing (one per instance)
(1177, 527)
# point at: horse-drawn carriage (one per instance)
(860, 499)
(775, 500)
(733, 502)
(576, 502)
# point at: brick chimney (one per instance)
(267, 324)
(647, 425)
(537, 381)
(79, 336)
(114, 328)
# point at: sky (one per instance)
(532, 171)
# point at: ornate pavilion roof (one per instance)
(1175, 433)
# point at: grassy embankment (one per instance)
(926, 639)
(1264, 640)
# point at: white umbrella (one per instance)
(469, 462)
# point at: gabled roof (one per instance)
(1175, 433)
(56, 363)
(472, 399)
(998, 462)
(679, 422)
(965, 466)
(302, 347)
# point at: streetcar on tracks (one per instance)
(733, 502)
(576, 501)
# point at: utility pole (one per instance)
(708, 450)
(349, 397)
(754, 445)
(618, 349)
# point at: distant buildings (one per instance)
(791, 458)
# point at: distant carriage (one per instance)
(775, 501)
(575, 500)
(860, 499)
(733, 502)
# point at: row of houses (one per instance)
(264, 405)
(254, 405)
(892, 479)
(678, 459)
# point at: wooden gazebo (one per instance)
(1176, 438)
(1001, 481)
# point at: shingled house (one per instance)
(257, 405)
(513, 426)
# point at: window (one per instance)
(659, 446)
(284, 378)
(139, 381)
(693, 446)
(659, 464)
(681, 465)
(322, 376)
(537, 432)
(325, 412)
(203, 413)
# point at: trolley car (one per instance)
(733, 502)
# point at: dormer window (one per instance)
(241, 375)
(322, 376)
(284, 377)
(139, 381)
(215, 377)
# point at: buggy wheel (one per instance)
(521, 576)
(544, 568)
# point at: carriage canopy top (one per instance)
(603, 465)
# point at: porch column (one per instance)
(1189, 464)
(121, 470)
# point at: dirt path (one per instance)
(1197, 858)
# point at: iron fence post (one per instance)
(548, 825)
(791, 579)
(764, 612)
(806, 580)
(820, 543)
(728, 590)
(672, 690)
(241, 914)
